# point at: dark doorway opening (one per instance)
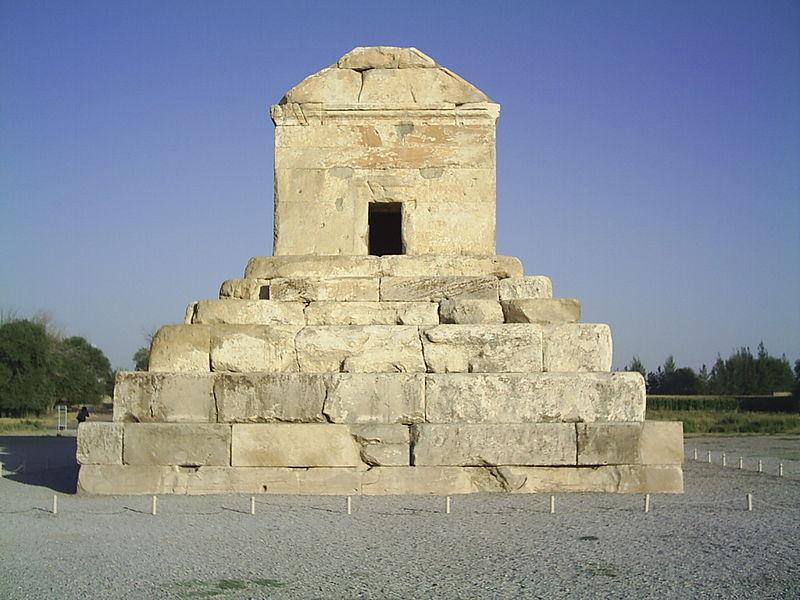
(385, 228)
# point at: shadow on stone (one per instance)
(41, 461)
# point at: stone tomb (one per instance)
(384, 348)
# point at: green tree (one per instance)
(637, 366)
(81, 372)
(26, 384)
(141, 359)
(742, 373)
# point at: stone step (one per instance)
(379, 397)
(321, 266)
(448, 348)
(378, 481)
(363, 446)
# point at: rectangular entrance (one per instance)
(385, 228)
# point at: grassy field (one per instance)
(712, 421)
(24, 425)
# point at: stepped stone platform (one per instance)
(385, 348)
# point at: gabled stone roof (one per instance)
(384, 77)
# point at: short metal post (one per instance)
(349, 506)
(760, 466)
(55, 504)
(780, 470)
(647, 503)
(724, 460)
(709, 456)
(695, 454)
(1, 470)
(552, 505)
(447, 505)
(749, 502)
(252, 505)
(154, 508)
(741, 462)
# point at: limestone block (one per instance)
(187, 444)
(250, 312)
(372, 313)
(450, 266)
(382, 445)
(129, 479)
(387, 87)
(375, 398)
(651, 442)
(494, 444)
(294, 445)
(542, 310)
(433, 289)
(343, 289)
(470, 310)
(270, 397)
(188, 316)
(340, 481)
(433, 86)
(165, 397)
(360, 349)
(384, 57)
(444, 227)
(331, 85)
(244, 289)
(310, 266)
(534, 397)
(253, 348)
(626, 479)
(534, 286)
(324, 226)
(381, 481)
(515, 348)
(575, 347)
(99, 443)
(180, 348)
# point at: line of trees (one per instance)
(40, 367)
(741, 374)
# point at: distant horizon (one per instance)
(647, 157)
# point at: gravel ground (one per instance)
(703, 544)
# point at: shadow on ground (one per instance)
(46, 461)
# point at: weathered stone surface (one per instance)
(384, 57)
(533, 286)
(430, 224)
(341, 289)
(450, 266)
(326, 225)
(382, 445)
(188, 316)
(180, 348)
(372, 313)
(294, 445)
(164, 397)
(271, 397)
(651, 442)
(360, 349)
(99, 443)
(433, 289)
(176, 444)
(382, 481)
(244, 289)
(250, 312)
(624, 479)
(129, 479)
(339, 481)
(310, 266)
(515, 348)
(494, 444)
(542, 310)
(375, 398)
(470, 310)
(534, 397)
(331, 86)
(577, 347)
(253, 348)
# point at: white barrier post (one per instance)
(349, 506)
(724, 460)
(647, 503)
(760, 466)
(780, 470)
(741, 462)
(709, 457)
(154, 508)
(252, 505)
(1, 470)
(695, 454)
(552, 505)
(749, 502)
(55, 504)
(447, 505)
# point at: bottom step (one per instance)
(377, 481)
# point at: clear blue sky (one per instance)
(648, 155)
